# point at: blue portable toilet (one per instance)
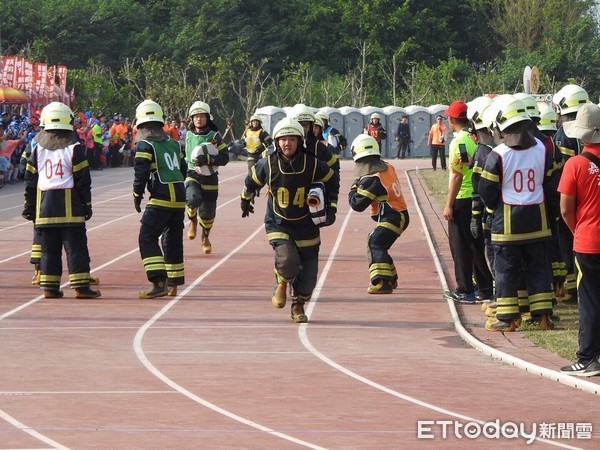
(353, 126)
(270, 115)
(336, 118)
(393, 116)
(420, 123)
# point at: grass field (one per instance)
(563, 339)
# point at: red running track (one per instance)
(219, 367)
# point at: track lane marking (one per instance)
(139, 351)
(303, 335)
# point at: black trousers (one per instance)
(588, 287)
(165, 264)
(435, 150)
(74, 241)
(402, 147)
(381, 239)
(565, 242)
(252, 160)
(201, 202)
(297, 265)
(36, 246)
(296, 247)
(521, 267)
(468, 253)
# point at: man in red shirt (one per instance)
(579, 205)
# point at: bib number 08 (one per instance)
(521, 182)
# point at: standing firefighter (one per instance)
(160, 167)
(376, 130)
(568, 101)
(58, 197)
(377, 185)
(294, 235)
(515, 182)
(205, 152)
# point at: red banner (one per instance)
(50, 84)
(39, 83)
(61, 71)
(19, 82)
(8, 70)
(28, 76)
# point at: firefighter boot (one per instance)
(53, 293)
(86, 292)
(279, 295)
(158, 289)
(193, 228)
(298, 315)
(206, 246)
(35, 279)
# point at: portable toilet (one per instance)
(420, 123)
(336, 119)
(353, 126)
(393, 116)
(288, 111)
(270, 115)
(438, 110)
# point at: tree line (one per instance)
(243, 54)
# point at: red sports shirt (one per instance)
(581, 178)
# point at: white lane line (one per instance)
(103, 224)
(24, 393)
(41, 297)
(550, 374)
(31, 432)
(302, 332)
(26, 222)
(207, 352)
(112, 261)
(157, 327)
(8, 418)
(193, 327)
(93, 191)
(139, 351)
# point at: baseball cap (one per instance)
(457, 110)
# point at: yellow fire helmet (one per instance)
(364, 145)
(148, 111)
(57, 116)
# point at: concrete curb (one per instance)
(543, 372)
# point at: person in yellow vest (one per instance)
(377, 186)
(257, 140)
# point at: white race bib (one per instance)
(55, 168)
(522, 174)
